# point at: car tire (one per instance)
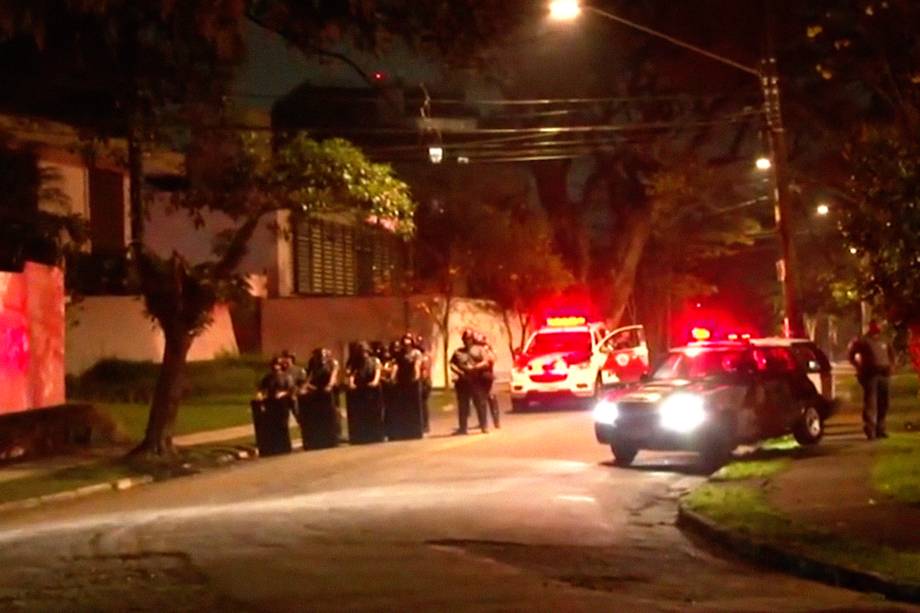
(810, 428)
(623, 453)
(518, 405)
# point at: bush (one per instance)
(133, 382)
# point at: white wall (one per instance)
(102, 327)
(301, 324)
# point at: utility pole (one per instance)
(768, 74)
(787, 269)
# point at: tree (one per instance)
(867, 69)
(243, 178)
(697, 231)
(163, 68)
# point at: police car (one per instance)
(571, 358)
(712, 396)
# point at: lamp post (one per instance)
(768, 75)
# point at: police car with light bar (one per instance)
(571, 358)
(712, 396)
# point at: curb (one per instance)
(796, 563)
(117, 485)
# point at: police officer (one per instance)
(872, 357)
(365, 403)
(319, 416)
(406, 419)
(271, 408)
(487, 378)
(465, 365)
(425, 370)
(389, 354)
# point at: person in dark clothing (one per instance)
(365, 403)
(487, 378)
(405, 420)
(466, 364)
(389, 354)
(425, 374)
(872, 357)
(271, 408)
(319, 416)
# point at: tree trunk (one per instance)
(633, 235)
(167, 394)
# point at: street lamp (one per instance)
(768, 75)
(564, 10)
(823, 210)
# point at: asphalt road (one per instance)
(531, 517)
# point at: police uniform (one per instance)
(463, 365)
(872, 357)
(425, 371)
(488, 380)
(270, 413)
(405, 419)
(319, 416)
(364, 401)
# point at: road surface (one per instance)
(532, 517)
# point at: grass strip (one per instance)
(742, 507)
(896, 472)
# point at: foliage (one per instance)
(883, 221)
(866, 66)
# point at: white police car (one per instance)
(572, 359)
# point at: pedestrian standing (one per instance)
(465, 364)
(388, 383)
(406, 417)
(364, 400)
(271, 408)
(319, 416)
(487, 378)
(872, 356)
(425, 369)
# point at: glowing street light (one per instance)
(823, 210)
(564, 10)
(768, 75)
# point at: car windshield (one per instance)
(692, 364)
(555, 342)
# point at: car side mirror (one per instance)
(516, 353)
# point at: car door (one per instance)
(626, 354)
(817, 367)
(778, 371)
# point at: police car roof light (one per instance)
(565, 322)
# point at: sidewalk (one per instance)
(94, 470)
(836, 492)
(845, 511)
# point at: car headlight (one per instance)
(682, 412)
(606, 412)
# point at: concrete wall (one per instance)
(31, 338)
(303, 323)
(102, 327)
